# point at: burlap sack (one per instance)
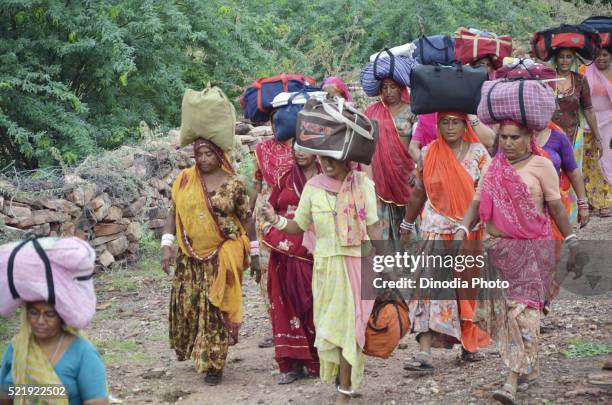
(207, 114)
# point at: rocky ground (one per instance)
(130, 330)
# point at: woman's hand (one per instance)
(255, 268)
(268, 213)
(405, 236)
(583, 217)
(599, 148)
(167, 259)
(459, 235)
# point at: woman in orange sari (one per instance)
(210, 208)
(447, 171)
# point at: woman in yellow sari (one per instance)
(210, 208)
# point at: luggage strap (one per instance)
(391, 61)
(522, 102)
(338, 116)
(448, 43)
(43, 257)
(490, 103)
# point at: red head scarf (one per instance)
(449, 187)
(222, 156)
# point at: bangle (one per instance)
(569, 237)
(167, 239)
(281, 223)
(464, 229)
(407, 226)
(254, 252)
(254, 244)
(475, 122)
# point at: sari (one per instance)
(524, 257)
(391, 167)
(275, 160)
(206, 307)
(340, 213)
(598, 173)
(450, 188)
(290, 283)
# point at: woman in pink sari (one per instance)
(517, 198)
(598, 172)
(341, 205)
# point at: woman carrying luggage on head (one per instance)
(573, 98)
(290, 279)
(517, 197)
(598, 169)
(334, 86)
(448, 170)
(392, 167)
(49, 349)
(274, 159)
(341, 205)
(209, 216)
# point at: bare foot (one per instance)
(342, 399)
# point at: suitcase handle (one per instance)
(340, 117)
(43, 257)
(391, 60)
(447, 41)
(305, 93)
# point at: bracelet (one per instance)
(254, 244)
(464, 229)
(167, 239)
(281, 223)
(569, 237)
(407, 226)
(475, 122)
(254, 252)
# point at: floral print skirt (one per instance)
(196, 330)
(599, 190)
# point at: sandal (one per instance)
(471, 357)
(604, 213)
(267, 342)
(420, 362)
(506, 395)
(213, 378)
(287, 378)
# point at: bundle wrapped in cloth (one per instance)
(56, 270)
(207, 114)
(386, 65)
(528, 102)
(515, 68)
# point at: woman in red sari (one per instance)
(274, 159)
(518, 198)
(290, 279)
(393, 169)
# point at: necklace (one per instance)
(458, 156)
(57, 347)
(567, 92)
(527, 156)
(333, 209)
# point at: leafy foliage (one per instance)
(79, 76)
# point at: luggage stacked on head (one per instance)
(515, 68)
(386, 65)
(207, 114)
(529, 102)
(286, 108)
(472, 45)
(603, 25)
(55, 270)
(434, 49)
(446, 88)
(256, 101)
(335, 129)
(583, 38)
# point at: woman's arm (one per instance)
(470, 219)
(483, 132)
(271, 216)
(257, 184)
(167, 252)
(414, 149)
(559, 215)
(416, 202)
(577, 181)
(591, 119)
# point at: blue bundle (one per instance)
(375, 72)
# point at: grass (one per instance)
(120, 351)
(8, 328)
(579, 348)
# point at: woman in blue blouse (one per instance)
(46, 351)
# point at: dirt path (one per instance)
(130, 331)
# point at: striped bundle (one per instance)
(373, 74)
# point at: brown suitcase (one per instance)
(331, 128)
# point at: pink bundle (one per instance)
(70, 280)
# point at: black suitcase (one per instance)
(446, 88)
